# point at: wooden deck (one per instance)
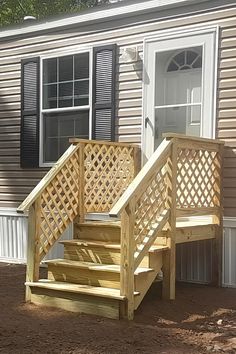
(110, 264)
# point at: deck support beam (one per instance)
(33, 261)
(169, 267)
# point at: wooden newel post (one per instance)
(127, 259)
(137, 160)
(81, 210)
(169, 266)
(33, 260)
(218, 219)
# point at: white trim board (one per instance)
(229, 222)
(100, 13)
(58, 53)
(176, 39)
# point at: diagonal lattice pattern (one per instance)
(59, 204)
(198, 178)
(151, 206)
(109, 169)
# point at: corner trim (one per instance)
(229, 221)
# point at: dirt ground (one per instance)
(201, 320)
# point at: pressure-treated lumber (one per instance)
(142, 178)
(109, 266)
(78, 289)
(32, 269)
(195, 233)
(127, 259)
(101, 231)
(36, 192)
(169, 263)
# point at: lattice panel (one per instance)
(109, 169)
(59, 204)
(151, 206)
(198, 183)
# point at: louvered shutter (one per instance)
(29, 153)
(104, 69)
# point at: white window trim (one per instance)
(177, 33)
(66, 109)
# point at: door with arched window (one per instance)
(179, 86)
(178, 106)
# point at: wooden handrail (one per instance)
(76, 141)
(31, 198)
(169, 136)
(142, 177)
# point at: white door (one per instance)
(179, 86)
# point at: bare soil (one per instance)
(201, 320)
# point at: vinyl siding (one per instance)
(16, 183)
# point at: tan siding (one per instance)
(15, 182)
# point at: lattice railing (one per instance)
(109, 169)
(198, 177)
(182, 177)
(151, 209)
(89, 177)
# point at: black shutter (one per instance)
(30, 89)
(104, 76)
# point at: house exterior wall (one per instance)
(16, 183)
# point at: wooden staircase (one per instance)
(110, 264)
(88, 278)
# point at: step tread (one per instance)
(78, 288)
(112, 223)
(107, 244)
(113, 268)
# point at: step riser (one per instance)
(101, 233)
(96, 255)
(84, 276)
(91, 254)
(78, 303)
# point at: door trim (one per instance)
(178, 33)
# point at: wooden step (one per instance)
(99, 251)
(87, 273)
(78, 298)
(78, 289)
(98, 230)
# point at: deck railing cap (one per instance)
(169, 136)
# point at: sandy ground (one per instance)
(201, 320)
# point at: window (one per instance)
(65, 103)
(185, 60)
(178, 92)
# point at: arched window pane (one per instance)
(185, 60)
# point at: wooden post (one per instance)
(218, 221)
(127, 259)
(81, 210)
(137, 160)
(33, 261)
(169, 267)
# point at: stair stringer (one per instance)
(144, 281)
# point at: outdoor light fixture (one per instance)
(129, 54)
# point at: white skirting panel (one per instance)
(194, 262)
(13, 238)
(229, 254)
